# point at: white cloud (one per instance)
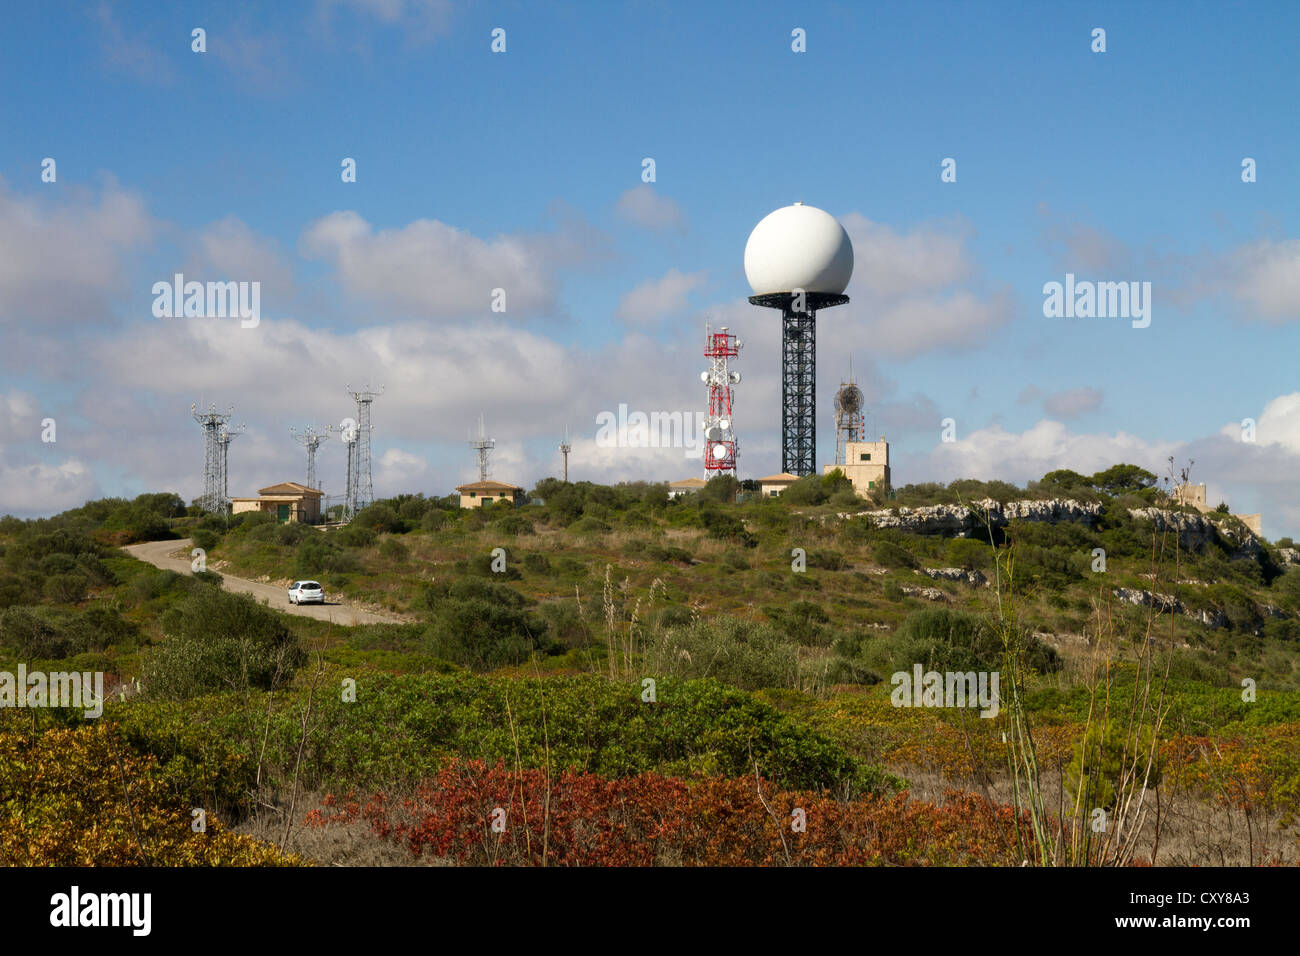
(1067, 404)
(37, 489)
(908, 293)
(397, 471)
(430, 269)
(1266, 279)
(645, 207)
(62, 261)
(993, 452)
(656, 299)
(889, 264)
(18, 417)
(1278, 424)
(229, 250)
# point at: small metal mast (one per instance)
(565, 448)
(310, 438)
(482, 445)
(223, 443)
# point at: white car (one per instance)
(306, 592)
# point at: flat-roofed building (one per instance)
(866, 465)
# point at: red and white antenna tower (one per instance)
(719, 429)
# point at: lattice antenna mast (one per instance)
(482, 445)
(310, 439)
(850, 425)
(348, 435)
(226, 436)
(565, 448)
(365, 489)
(212, 422)
(720, 446)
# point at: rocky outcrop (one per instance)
(961, 521)
(1196, 531)
(930, 594)
(975, 578)
(1211, 618)
(1288, 556)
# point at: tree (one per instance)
(1122, 479)
(1065, 478)
(721, 488)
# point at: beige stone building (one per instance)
(1194, 495)
(287, 501)
(480, 493)
(866, 464)
(774, 485)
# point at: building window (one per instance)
(473, 494)
(865, 456)
(487, 499)
(871, 484)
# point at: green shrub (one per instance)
(537, 564)
(357, 536)
(435, 520)
(203, 538)
(217, 640)
(893, 555)
(513, 524)
(483, 625)
(949, 640)
(393, 550)
(65, 588)
(743, 654)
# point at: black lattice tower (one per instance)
(212, 422)
(310, 439)
(364, 489)
(798, 373)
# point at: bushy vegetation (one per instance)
(523, 638)
(216, 641)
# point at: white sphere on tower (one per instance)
(799, 247)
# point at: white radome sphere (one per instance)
(799, 247)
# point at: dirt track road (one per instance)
(174, 556)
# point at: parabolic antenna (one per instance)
(719, 451)
(799, 247)
(849, 399)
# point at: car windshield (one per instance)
(310, 586)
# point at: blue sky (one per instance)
(522, 170)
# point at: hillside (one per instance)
(662, 653)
